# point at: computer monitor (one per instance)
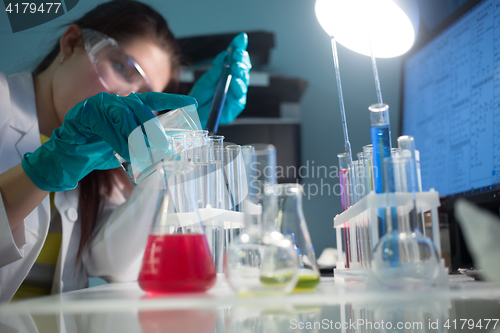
(451, 106)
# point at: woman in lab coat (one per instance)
(94, 223)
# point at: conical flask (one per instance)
(177, 256)
(403, 258)
(261, 261)
(292, 224)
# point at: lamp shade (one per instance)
(392, 25)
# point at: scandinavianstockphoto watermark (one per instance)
(362, 324)
(319, 180)
(359, 324)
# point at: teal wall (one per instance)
(302, 50)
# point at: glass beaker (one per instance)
(403, 258)
(178, 121)
(261, 261)
(177, 256)
(292, 224)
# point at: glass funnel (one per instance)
(261, 261)
(403, 258)
(292, 224)
(177, 256)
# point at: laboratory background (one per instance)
(294, 103)
(301, 50)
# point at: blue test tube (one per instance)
(381, 143)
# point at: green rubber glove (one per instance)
(92, 130)
(236, 98)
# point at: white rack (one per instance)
(361, 219)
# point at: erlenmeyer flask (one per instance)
(177, 256)
(403, 258)
(291, 223)
(261, 261)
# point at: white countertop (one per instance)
(107, 308)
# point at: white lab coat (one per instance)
(118, 247)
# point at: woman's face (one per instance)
(75, 79)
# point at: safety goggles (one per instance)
(119, 73)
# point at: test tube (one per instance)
(345, 200)
(198, 154)
(233, 171)
(381, 140)
(179, 146)
(216, 188)
(381, 143)
(363, 223)
(350, 190)
(344, 181)
(361, 187)
(368, 155)
(406, 145)
(200, 146)
(216, 172)
(369, 185)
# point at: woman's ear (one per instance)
(71, 38)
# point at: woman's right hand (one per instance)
(92, 130)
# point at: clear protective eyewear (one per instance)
(118, 72)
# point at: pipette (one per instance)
(220, 95)
(375, 71)
(347, 144)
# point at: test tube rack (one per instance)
(358, 227)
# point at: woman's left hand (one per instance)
(236, 99)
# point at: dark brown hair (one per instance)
(122, 20)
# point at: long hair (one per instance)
(122, 20)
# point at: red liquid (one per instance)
(177, 263)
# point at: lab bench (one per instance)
(335, 306)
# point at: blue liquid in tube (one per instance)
(381, 142)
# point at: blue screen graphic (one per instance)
(452, 103)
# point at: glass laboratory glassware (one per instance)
(179, 146)
(177, 257)
(381, 140)
(346, 201)
(236, 192)
(403, 258)
(174, 122)
(233, 170)
(368, 156)
(406, 145)
(381, 144)
(216, 171)
(344, 181)
(361, 176)
(292, 224)
(261, 261)
(198, 154)
(216, 199)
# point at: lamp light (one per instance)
(391, 25)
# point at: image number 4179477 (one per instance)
(26, 15)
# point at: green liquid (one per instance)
(307, 282)
(276, 279)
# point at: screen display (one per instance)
(451, 103)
